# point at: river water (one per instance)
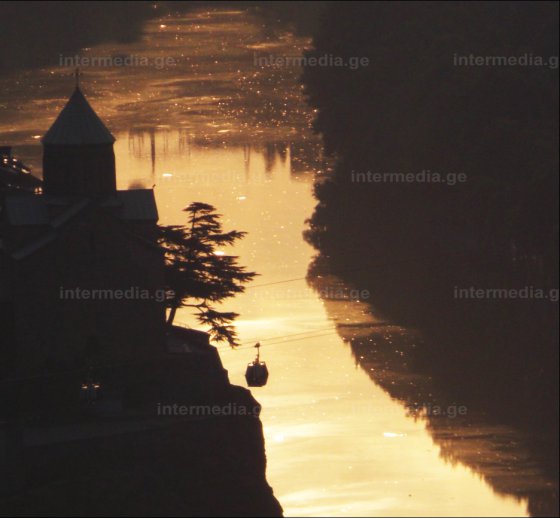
(217, 127)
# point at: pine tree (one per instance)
(197, 275)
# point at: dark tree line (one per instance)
(414, 108)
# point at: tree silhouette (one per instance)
(198, 274)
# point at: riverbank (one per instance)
(175, 439)
(469, 261)
(512, 461)
(497, 354)
(421, 248)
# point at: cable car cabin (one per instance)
(256, 374)
(257, 371)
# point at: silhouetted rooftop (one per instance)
(28, 209)
(78, 124)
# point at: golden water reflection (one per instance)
(337, 444)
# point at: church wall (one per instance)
(58, 326)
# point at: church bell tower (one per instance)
(78, 156)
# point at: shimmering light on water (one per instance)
(337, 445)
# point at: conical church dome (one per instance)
(78, 155)
(77, 125)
